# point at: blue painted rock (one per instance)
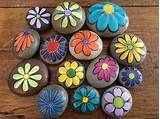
(28, 77)
(26, 44)
(38, 18)
(54, 49)
(130, 77)
(85, 99)
(107, 19)
(52, 101)
(116, 101)
(68, 17)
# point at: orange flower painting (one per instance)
(23, 41)
(85, 41)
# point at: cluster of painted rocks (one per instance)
(104, 19)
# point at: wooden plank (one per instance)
(53, 3)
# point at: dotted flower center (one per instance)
(67, 12)
(38, 16)
(109, 9)
(71, 73)
(118, 102)
(85, 41)
(53, 46)
(104, 66)
(85, 99)
(131, 76)
(26, 76)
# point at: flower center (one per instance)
(71, 73)
(85, 99)
(85, 41)
(104, 66)
(26, 76)
(53, 46)
(109, 9)
(26, 33)
(130, 47)
(131, 76)
(118, 102)
(38, 16)
(67, 12)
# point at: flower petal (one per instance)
(93, 45)
(74, 65)
(17, 76)
(77, 104)
(30, 16)
(75, 42)
(90, 107)
(127, 38)
(83, 91)
(20, 70)
(77, 14)
(38, 23)
(62, 78)
(80, 75)
(121, 19)
(83, 107)
(32, 22)
(76, 81)
(127, 106)
(37, 9)
(113, 24)
(62, 70)
(94, 16)
(18, 83)
(130, 57)
(60, 8)
(36, 77)
(134, 39)
(120, 50)
(93, 37)
(95, 101)
(140, 51)
(136, 56)
(103, 21)
(119, 45)
(46, 15)
(67, 65)
(64, 22)
(58, 16)
(34, 70)
(95, 7)
(117, 92)
(78, 48)
(68, 82)
(66, 4)
(121, 40)
(42, 10)
(32, 83)
(72, 21)
(45, 20)
(119, 112)
(25, 85)
(139, 45)
(124, 55)
(91, 94)
(32, 11)
(27, 67)
(109, 108)
(79, 69)
(77, 96)
(79, 35)
(108, 97)
(87, 34)
(74, 7)
(97, 70)
(86, 50)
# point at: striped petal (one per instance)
(76, 81)
(68, 82)
(62, 70)
(74, 6)
(37, 9)
(79, 69)
(139, 45)
(32, 22)
(120, 50)
(74, 65)
(32, 12)
(137, 56)
(127, 38)
(66, 4)
(45, 20)
(58, 16)
(42, 10)
(134, 39)
(60, 8)
(65, 22)
(38, 23)
(119, 45)
(77, 14)
(62, 78)
(67, 65)
(46, 15)
(93, 17)
(130, 57)
(124, 55)
(121, 40)
(72, 21)
(140, 51)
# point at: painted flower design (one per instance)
(68, 13)
(50, 103)
(106, 68)
(85, 42)
(38, 17)
(86, 100)
(131, 76)
(107, 15)
(129, 48)
(27, 76)
(23, 40)
(118, 102)
(53, 48)
(71, 74)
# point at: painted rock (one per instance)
(102, 71)
(26, 44)
(39, 18)
(128, 49)
(52, 101)
(85, 99)
(107, 19)
(85, 45)
(28, 77)
(71, 74)
(54, 49)
(68, 17)
(116, 101)
(130, 77)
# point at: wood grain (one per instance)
(143, 15)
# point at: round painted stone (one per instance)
(130, 77)
(52, 101)
(68, 17)
(38, 18)
(116, 101)
(128, 49)
(54, 49)
(85, 45)
(28, 77)
(85, 99)
(26, 44)
(107, 19)
(102, 71)
(71, 74)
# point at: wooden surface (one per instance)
(143, 15)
